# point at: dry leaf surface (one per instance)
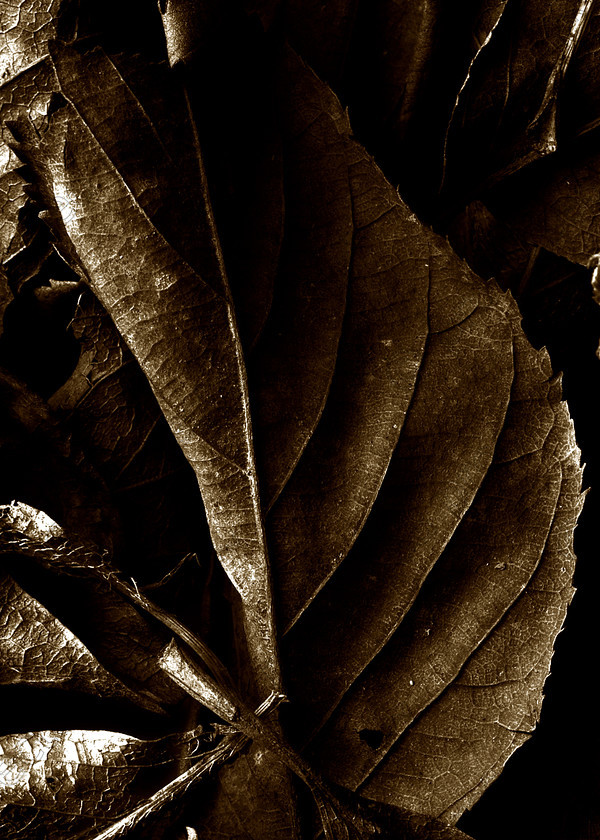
(340, 413)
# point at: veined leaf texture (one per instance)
(289, 488)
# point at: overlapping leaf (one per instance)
(419, 478)
(507, 112)
(122, 640)
(415, 600)
(77, 782)
(37, 650)
(210, 422)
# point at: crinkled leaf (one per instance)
(483, 444)
(423, 465)
(181, 328)
(74, 783)
(506, 116)
(26, 26)
(292, 362)
(123, 640)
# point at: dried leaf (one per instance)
(390, 638)
(59, 783)
(122, 640)
(417, 466)
(507, 113)
(37, 650)
(196, 370)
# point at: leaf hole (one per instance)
(372, 737)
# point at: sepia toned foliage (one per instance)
(288, 491)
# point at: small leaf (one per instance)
(77, 782)
(37, 650)
(507, 113)
(122, 640)
(555, 204)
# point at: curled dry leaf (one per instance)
(76, 782)
(509, 103)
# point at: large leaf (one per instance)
(417, 466)
(479, 464)
(200, 382)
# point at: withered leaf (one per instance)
(291, 365)
(182, 331)
(76, 782)
(468, 501)
(122, 640)
(506, 116)
(37, 650)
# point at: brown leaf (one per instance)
(37, 650)
(78, 781)
(478, 465)
(506, 116)
(181, 329)
(26, 26)
(122, 640)
(418, 462)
